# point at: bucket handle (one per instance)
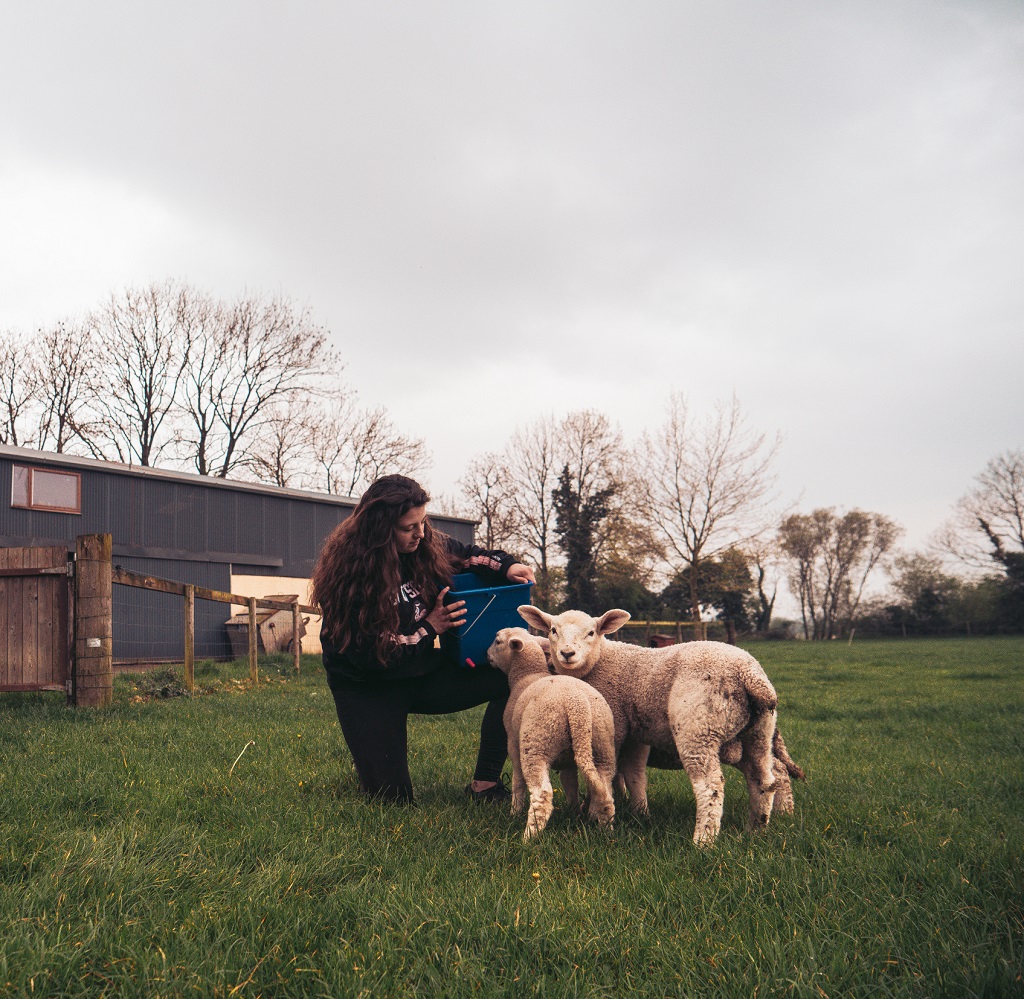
(480, 615)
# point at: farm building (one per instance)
(239, 537)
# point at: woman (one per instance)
(380, 581)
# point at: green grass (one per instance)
(135, 861)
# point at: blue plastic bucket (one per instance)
(489, 608)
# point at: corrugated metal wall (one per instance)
(186, 517)
(150, 625)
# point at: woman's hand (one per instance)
(443, 618)
(519, 573)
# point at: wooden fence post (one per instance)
(254, 673)
(93, 615)
(296, 640)
(190, 638)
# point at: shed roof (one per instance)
(34, 457)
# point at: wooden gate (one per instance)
(35, 641)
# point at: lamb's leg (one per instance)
(518, 781)
(783, 804)
(570, 786)
(733, 753)
(602, 801)
(693, 723)
(542, 804)
(757, 766)
(761, 801)
(603, 751)
(602, 804)
(705, 773)
(633, 769)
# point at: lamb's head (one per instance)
(512, 646)
(576, 639)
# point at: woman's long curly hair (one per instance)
(358, 573)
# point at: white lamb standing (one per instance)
(553, 721)
(700, 702)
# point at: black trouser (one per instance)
(373, 716)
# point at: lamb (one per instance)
(700, 703)
(784, 766)
(553, 721)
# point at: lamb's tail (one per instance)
(782, 754)
(581, 731)
(759, 688)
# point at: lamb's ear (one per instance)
(515, 644)
(611, 621)
(535, 616)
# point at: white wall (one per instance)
(264, 586)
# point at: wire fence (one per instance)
(265, 630)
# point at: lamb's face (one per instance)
(576, 639)
(507, 643)
(575, 643)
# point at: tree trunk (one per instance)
(698, 625)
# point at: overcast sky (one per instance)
(507, 210)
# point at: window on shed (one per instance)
(46, 489)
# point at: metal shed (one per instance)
(217, 533)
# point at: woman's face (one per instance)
(409, 530)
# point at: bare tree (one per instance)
(592, 449)
(708, 487)
(18, 388)
(987, 531)
(202, 322)
(488, 491)
(376, 447)
(531, 458)
(169, 372)
(801, 539)
(354, 446)
(581, 459)
(988, 523)
(140, 337)
(45, 387)
(764, 556)
(329, 442)
(448, 505)
(926, 597)
(268, 351)
(831, 558)
(281, 452)
(65, 360)
(630, 538)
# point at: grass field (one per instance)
(141, 855)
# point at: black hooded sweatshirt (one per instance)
(416, 655)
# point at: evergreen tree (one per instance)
(576, 522)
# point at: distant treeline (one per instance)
(682, 523)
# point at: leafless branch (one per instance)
(709, 485)
(144, 353)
